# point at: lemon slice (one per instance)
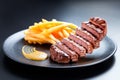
(30, 52)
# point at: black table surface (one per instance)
(16, 15)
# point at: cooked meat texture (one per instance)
(59, 56)
(82, 42)
(100, 23)
(87, 36)
(73, 55)
(87, 45)
(81, 51)
(97, 32)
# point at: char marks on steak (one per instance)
(87, 45)
(96, 32)
(77, 45)
(87, 36)
(80, 50)
(58, 55)
(100, 23)
(74, 57)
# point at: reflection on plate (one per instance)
(13, 44)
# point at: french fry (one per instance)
(44, 21)
(61, 34)
(53, 38)
(65, 33)
(48, 31)
(57, 28)
(38, 37)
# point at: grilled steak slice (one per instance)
(79, 44)
(81, 51)
(59, 56)
(87, 45)
(99, 22)
(73, 55)
(97, 32)
(87, 36)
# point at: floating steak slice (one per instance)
(87, 45)
(97, 32)
(80, 50)
(87, 36)
(59, 56)
(100, 23)
(73, 55)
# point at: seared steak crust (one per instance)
(74, 57)
(77, 45)
(59, 56)
(87, 45)
(80, 50)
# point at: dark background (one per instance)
(16, 15)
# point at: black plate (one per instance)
(13, 44)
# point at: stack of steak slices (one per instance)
(83, 42)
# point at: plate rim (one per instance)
(78, 66)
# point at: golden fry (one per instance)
(44, 21)
(66, 34)
(48, 31)
(61, 34)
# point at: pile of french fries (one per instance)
(48, 31)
